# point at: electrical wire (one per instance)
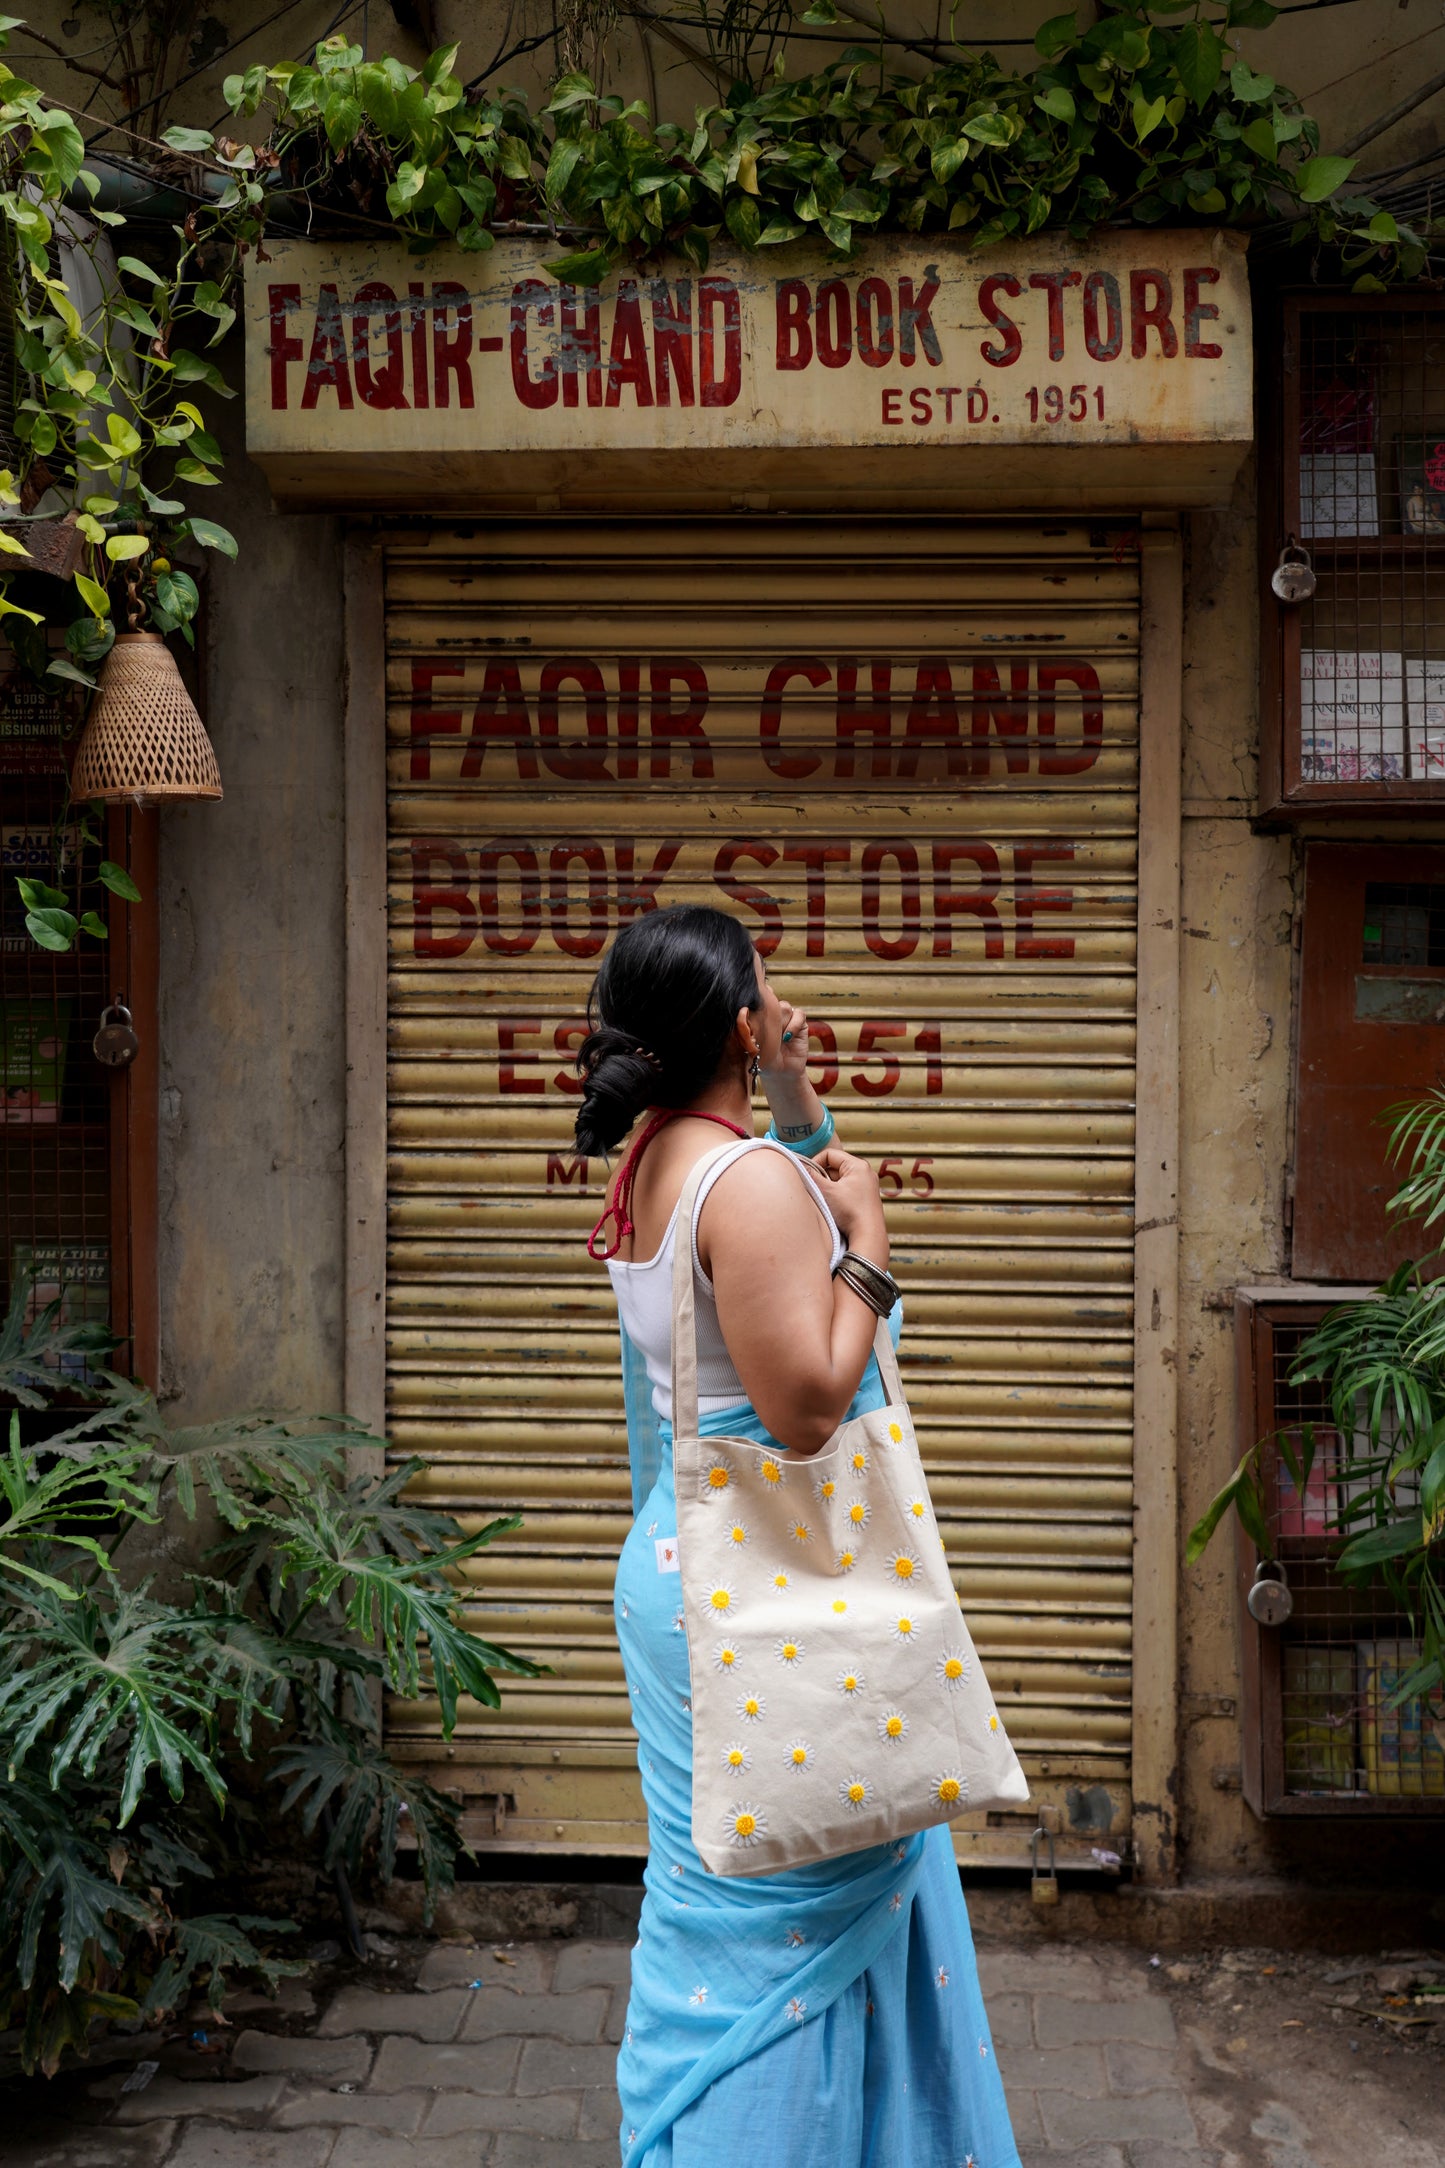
(125, 125)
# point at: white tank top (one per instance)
(644, 1298)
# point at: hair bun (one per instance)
(619, 1078)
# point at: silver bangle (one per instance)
(868, 1281)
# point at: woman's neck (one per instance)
(726, 1098)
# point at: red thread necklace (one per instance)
(620, 1208)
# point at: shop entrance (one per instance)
(907, 754)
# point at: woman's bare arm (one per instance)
(799, 1339)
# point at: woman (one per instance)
(828, 2016)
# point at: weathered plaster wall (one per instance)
(252, 984)
(1235, 958)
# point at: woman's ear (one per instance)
(746, 1033)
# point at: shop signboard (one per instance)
(1112, 371)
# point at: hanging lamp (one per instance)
(143, 739)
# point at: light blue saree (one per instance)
(828, 2017)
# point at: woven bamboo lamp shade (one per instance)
(143, 738)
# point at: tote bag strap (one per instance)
(684, 1312)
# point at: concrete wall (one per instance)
(252, 983)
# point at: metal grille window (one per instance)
(908, 758)
(77, 1142)
(1354, 705)
(1323, 1732)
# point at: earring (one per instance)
(755, 1068)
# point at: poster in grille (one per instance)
(907, 757)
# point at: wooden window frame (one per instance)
(1283, 798)
(1258, 1313)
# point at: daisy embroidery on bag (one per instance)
(771, 1471)
(796, 2010)
(780, 1581)
(726, 1657)
(892, 1726)
(718, 1476)
(721, 1597)
(800, 1755)
(847, 1560)
(855, 1793)
(903, 1565)
(953, 1668)
(824, 1491)
(858, 1462)
(858, 1512)
(839, 1606)
(800, 1532)
(895, 1434)
(918, 1511)
(752, 1708)
(746, 1824)
(950, 1789)
(789, 1652)
(850, 1682)
(738, 1534)
(992, 1721)
(737, 1756)
(904, 1628)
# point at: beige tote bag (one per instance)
(837, 1701)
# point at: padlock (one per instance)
(1044, 1888)
(1293, 578)
(1269, 1600)
(115, 1044)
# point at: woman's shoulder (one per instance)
(761, 1170)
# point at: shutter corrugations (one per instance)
(909, 756)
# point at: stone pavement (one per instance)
(504, 2057)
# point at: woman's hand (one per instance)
(854, 1201)
(791, 1059)
(795, 1107)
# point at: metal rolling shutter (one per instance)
(908, 754)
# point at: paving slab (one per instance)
(545, 2115)
(527, 1967)
(423, 2017)
(1084, 2156)
(1078, 2070)
(368, 2149)
(246, 2100)
(340, 2059)
(65, 2146)
(513, 2152)
(218, 2145)
(405, 2066)
(1062, 2022)
(550, 2066)
(401, 2112)
(1146, 2154)
(1050, 1971)
(496, 2012)
(601, 2114)
(592, 1964)
(1135, 2069)
(1070, 2120)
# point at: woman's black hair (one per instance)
(660, 1011)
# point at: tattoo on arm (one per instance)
(797, 1129)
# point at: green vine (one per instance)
(1132, 119)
